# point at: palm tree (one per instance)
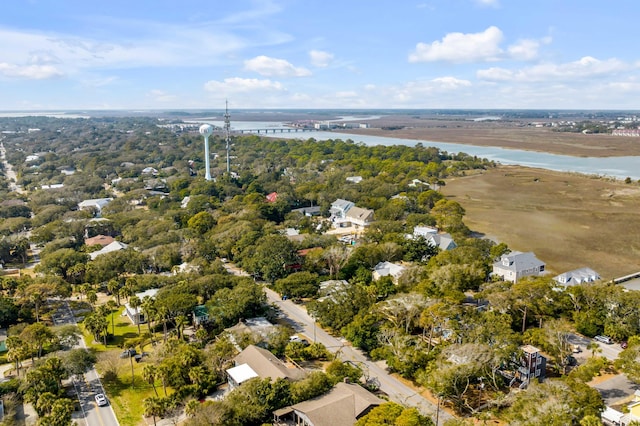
(594, 348)
(112, 287)
(17, 351)
(150, 312)
(163, 371)
(163, 314)
(111, 304)
(149, 373)
(135, 302)
(154, 406)
(92, 297)
(37, 298)
(191, 407)
(181, 321)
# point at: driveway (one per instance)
(615, 390)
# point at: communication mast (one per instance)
(227, 131)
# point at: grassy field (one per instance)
(125, 397)
(568, 220)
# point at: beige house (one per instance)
(341, 406)
(257, 362)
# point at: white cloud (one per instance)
(488, 3)
(320, 59)
(524, 50)
(585, 67)
(239, 85)
(459, 47)
(30, 72)
(272, 67)
(415, 91)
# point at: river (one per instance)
(616, 167)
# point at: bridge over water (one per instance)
(277, 130)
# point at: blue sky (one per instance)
(167, 54)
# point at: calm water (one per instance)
(617, 167)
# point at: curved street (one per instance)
(303, 323)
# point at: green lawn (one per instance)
(126, 400)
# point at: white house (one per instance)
(577, 276)
(345, 213)
(114, 246)
(340, 207)
(424, 231)
(384, 269)
(516, 265)
(135, 315)
(96, 204)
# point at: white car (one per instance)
(101, 400)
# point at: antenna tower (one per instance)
(227, 131)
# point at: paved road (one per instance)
(9, 172)
(304, 324)
(610, 352)
(90, 414)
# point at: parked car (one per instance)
(603, 339)
(624, 344)
(577, 349)
(101, 400)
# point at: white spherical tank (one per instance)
(206, 130)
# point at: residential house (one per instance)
(330, 288)
(341, 406)
(308, 211)
(577, 276)
(135, 315)
(516, 265)
(345, 213)
(99, 240)
(114, 246)
(443, 241)
(96, 205)
(272, 197)
(417, 182)
(359, 217)
(200, 315)
(260, 327)
(384, 269)
(339, 208)
(525, 365)
(424, 231)
(185, 202)
(257, 362)
(631, 417)
(149, 171)
(3, 340)
(532, 364)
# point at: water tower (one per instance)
(206, 130)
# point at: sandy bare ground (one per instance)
(568, 220)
